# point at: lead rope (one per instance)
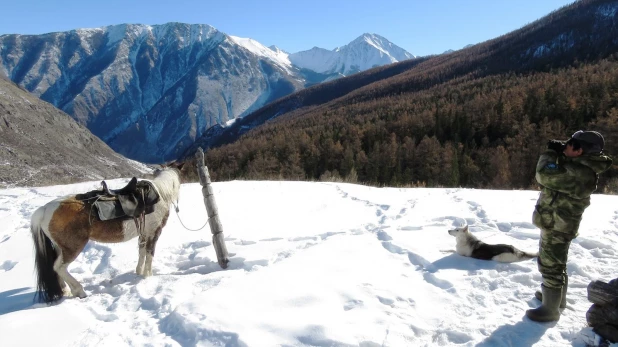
(183, 224)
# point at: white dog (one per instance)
(469, 246)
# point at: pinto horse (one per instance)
(61, 229)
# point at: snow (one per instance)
(279, 57)
(562, 42)
(608, 11)
(134, 164)
(230, 122)
(312, 264)
(365, 52)
(116, 33)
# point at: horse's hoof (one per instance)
(80, 294)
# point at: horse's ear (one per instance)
(176, 165)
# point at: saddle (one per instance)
(134, 200)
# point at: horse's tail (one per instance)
(48, 282)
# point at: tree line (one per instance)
(477, 132)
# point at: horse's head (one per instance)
(167, 180)
(174, 164)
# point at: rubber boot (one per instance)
(548, 311)
(539, 295)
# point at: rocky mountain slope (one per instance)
(41, 145)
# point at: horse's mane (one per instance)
(167, 182)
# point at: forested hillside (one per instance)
(474, 118)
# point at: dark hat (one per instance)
(594, 140)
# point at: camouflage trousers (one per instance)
(553, 254)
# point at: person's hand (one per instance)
(556, 145)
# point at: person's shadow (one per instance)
(16, 300)
(524, 333)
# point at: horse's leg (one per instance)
(151, 243)
(141, 260)
(65, 287)
(61, 265)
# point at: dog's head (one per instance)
(458, 230)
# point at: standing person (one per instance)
(568, 174)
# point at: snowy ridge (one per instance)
(341, 265)
(365, 52)
(317, 59)
(607, 11)
(278, 56)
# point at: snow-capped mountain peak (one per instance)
(277, 49)
(278, 56)
(365, 52)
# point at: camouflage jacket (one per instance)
(566, 187)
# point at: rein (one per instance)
(183, 224)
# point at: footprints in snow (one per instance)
(421, 264)
(428, 269)
(352, 304)
(8, 265)
(482, 220)
(418, 261)
(199, 257)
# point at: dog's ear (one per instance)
(465, 229)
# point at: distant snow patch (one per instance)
(106, 161)
(561, 42)
(141, 167)
(607, 10)
(541, 51)
(230, 122)
(279, 57)
(116, 33)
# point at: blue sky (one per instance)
(421, 27)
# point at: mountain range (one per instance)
(150, 91)
(477, 117)
(365, 52)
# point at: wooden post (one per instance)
(603, 314)
(604, 320)
(598, 315)
(607, 331)
(211, 208)
(602, 293)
